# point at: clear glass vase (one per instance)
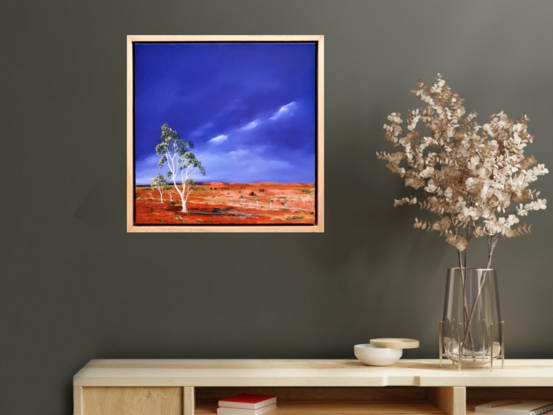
(471, 331)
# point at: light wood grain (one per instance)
(482, 395)
(130, 149)
(225, 38)
(77, 400)
(318, 226)
(189, 400)
(297, 395)
(225, 229)
(302, 373)
(320, 135)
(132, 401)
(470, 409)
(419, 408)
(450, 400)
(395, 343)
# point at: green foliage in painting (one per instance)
(175, 153)
(159, 183)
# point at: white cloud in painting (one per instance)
(239, 153)
(218, 139)
(251, 125)
(241, 165)
(202, 130)
(284, 111)
(147, 169)
(258, 123)
(237, 166)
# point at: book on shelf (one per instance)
(247, 404)
(242, 411)
(247, 401)
(515, 407)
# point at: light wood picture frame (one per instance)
(242, 150)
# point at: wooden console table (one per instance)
(319, 387)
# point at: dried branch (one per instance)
(468, 174)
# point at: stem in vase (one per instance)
(492, 242)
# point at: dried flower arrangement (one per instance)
(475, 178)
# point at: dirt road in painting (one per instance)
(216, 203)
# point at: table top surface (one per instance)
(306, 373)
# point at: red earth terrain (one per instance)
(217, 203)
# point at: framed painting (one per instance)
(225, 134)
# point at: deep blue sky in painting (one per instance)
(249, 108)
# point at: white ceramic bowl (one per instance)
(376, 356)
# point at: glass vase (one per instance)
(471, 332)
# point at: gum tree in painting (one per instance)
(182, 163)
(159, 183)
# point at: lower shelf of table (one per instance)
(334, 408)
(188, 400)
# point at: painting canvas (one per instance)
(225, 134)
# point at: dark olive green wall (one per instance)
(75, 286)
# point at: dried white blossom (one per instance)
(475, 178)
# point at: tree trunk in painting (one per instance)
(183, 200)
